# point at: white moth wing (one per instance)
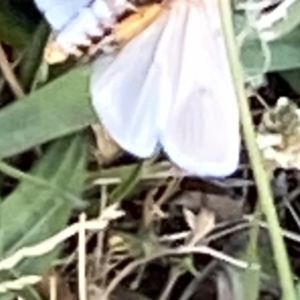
(126, 96)
(76, 20)
(60, 12)
(200, 123)
(91, 21)
(107, 11)
(103, 12)
(78, 31)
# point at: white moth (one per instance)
(76, 21)
(171, 88)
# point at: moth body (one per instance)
(78, 22)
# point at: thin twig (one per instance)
(9, 75)
(53, 287)
(175, 273)
(13, 66)
(195, 283)
(292, 212)
(98, 253)
(81, 258)
(287, 234)
(178, 251)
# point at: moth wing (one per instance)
(199, 123)
(79, 30)
(125, 96)
(60, 12)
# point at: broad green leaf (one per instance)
(33, 56)
(60, 108)
(31, 213)
(284, 52)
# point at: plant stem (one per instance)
(261, 176)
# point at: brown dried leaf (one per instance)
(200, 224)
(107, 148)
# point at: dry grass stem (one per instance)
(9, 75)
(46, 246)
(18, 284)
(287, 234)
(179, 251)
(100, 239)
(82, 284)
(53, 287)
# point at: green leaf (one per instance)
(60, 108)
(284, 52)
(33, 56)
(31, 213)
(245, 283)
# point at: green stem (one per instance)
(261, 176)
